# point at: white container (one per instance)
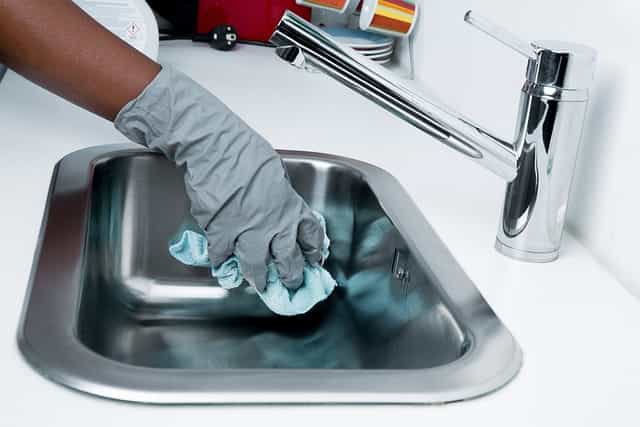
(131, 20)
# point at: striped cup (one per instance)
(392, 17)
(335, 5)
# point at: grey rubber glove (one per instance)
(239, 190)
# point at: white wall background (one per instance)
(482, 79)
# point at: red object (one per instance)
(254, 20)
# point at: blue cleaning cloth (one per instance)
(191, 249)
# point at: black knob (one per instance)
(223, 37)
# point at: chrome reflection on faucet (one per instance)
(538, 164)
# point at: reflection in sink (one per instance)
(127, 321)
(373, 321)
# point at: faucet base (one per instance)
(526, 256)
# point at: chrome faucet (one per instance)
(538, 164)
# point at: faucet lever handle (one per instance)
(501, 34)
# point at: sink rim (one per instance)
(493, 359)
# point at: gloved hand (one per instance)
(239, 190)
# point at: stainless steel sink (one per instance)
(109, 312)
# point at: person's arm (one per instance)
(57, 45)
(239, 191)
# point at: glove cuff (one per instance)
(171, 114)
(139, 120)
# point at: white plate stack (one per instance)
(378, 48)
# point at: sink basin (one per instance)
(109, 312)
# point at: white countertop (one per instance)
(577, 326)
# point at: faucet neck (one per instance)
(302, 44)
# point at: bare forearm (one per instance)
(59, 47)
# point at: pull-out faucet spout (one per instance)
(301, 43)
(538, 165)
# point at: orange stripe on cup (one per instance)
(388, 24)
(395, 17)
(400, 5)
